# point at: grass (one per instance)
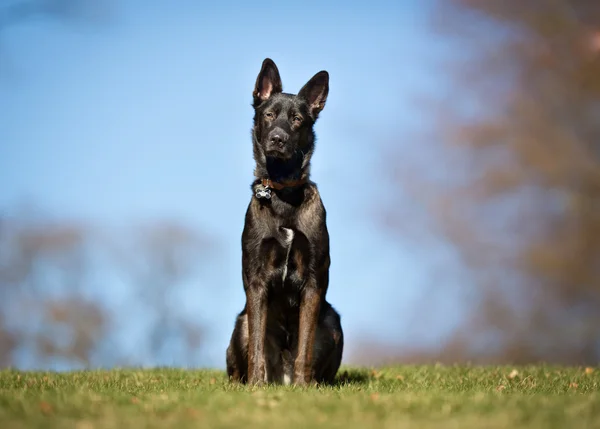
(390, 397)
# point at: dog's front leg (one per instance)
(256, 299)
(309, 314)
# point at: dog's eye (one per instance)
(269, 115)
(297, 118)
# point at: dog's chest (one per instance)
(288, 273)
(287, 242)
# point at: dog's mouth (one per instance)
(279, 154)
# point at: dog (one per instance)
(287, 332)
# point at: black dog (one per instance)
(287, 331)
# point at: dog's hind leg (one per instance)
(237, 352)
(329, 345)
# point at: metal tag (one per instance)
(263, 192)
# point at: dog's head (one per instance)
(283, 123)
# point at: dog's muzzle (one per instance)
(277, 143)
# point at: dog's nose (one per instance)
(278, 137)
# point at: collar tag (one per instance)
(262, 192)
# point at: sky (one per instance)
(148, 116)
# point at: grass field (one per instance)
(394, 397)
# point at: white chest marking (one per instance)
(289, 238)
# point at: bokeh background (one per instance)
(458, 158)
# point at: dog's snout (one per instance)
(278, 137)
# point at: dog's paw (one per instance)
(304, 383)
(305, 380)
(259, 378)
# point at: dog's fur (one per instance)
(287, 331)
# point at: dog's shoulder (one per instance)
(311, 215)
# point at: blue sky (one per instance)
(148, 117)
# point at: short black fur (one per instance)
(287, 331)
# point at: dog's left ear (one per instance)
(315, 92)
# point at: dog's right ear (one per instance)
(268, 82)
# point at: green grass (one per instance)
(394, 397)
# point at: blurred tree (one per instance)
(157, 260)
(51, 273)
(42, 270)
(511, 175)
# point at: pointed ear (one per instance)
(268, 82)
(315, 92)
